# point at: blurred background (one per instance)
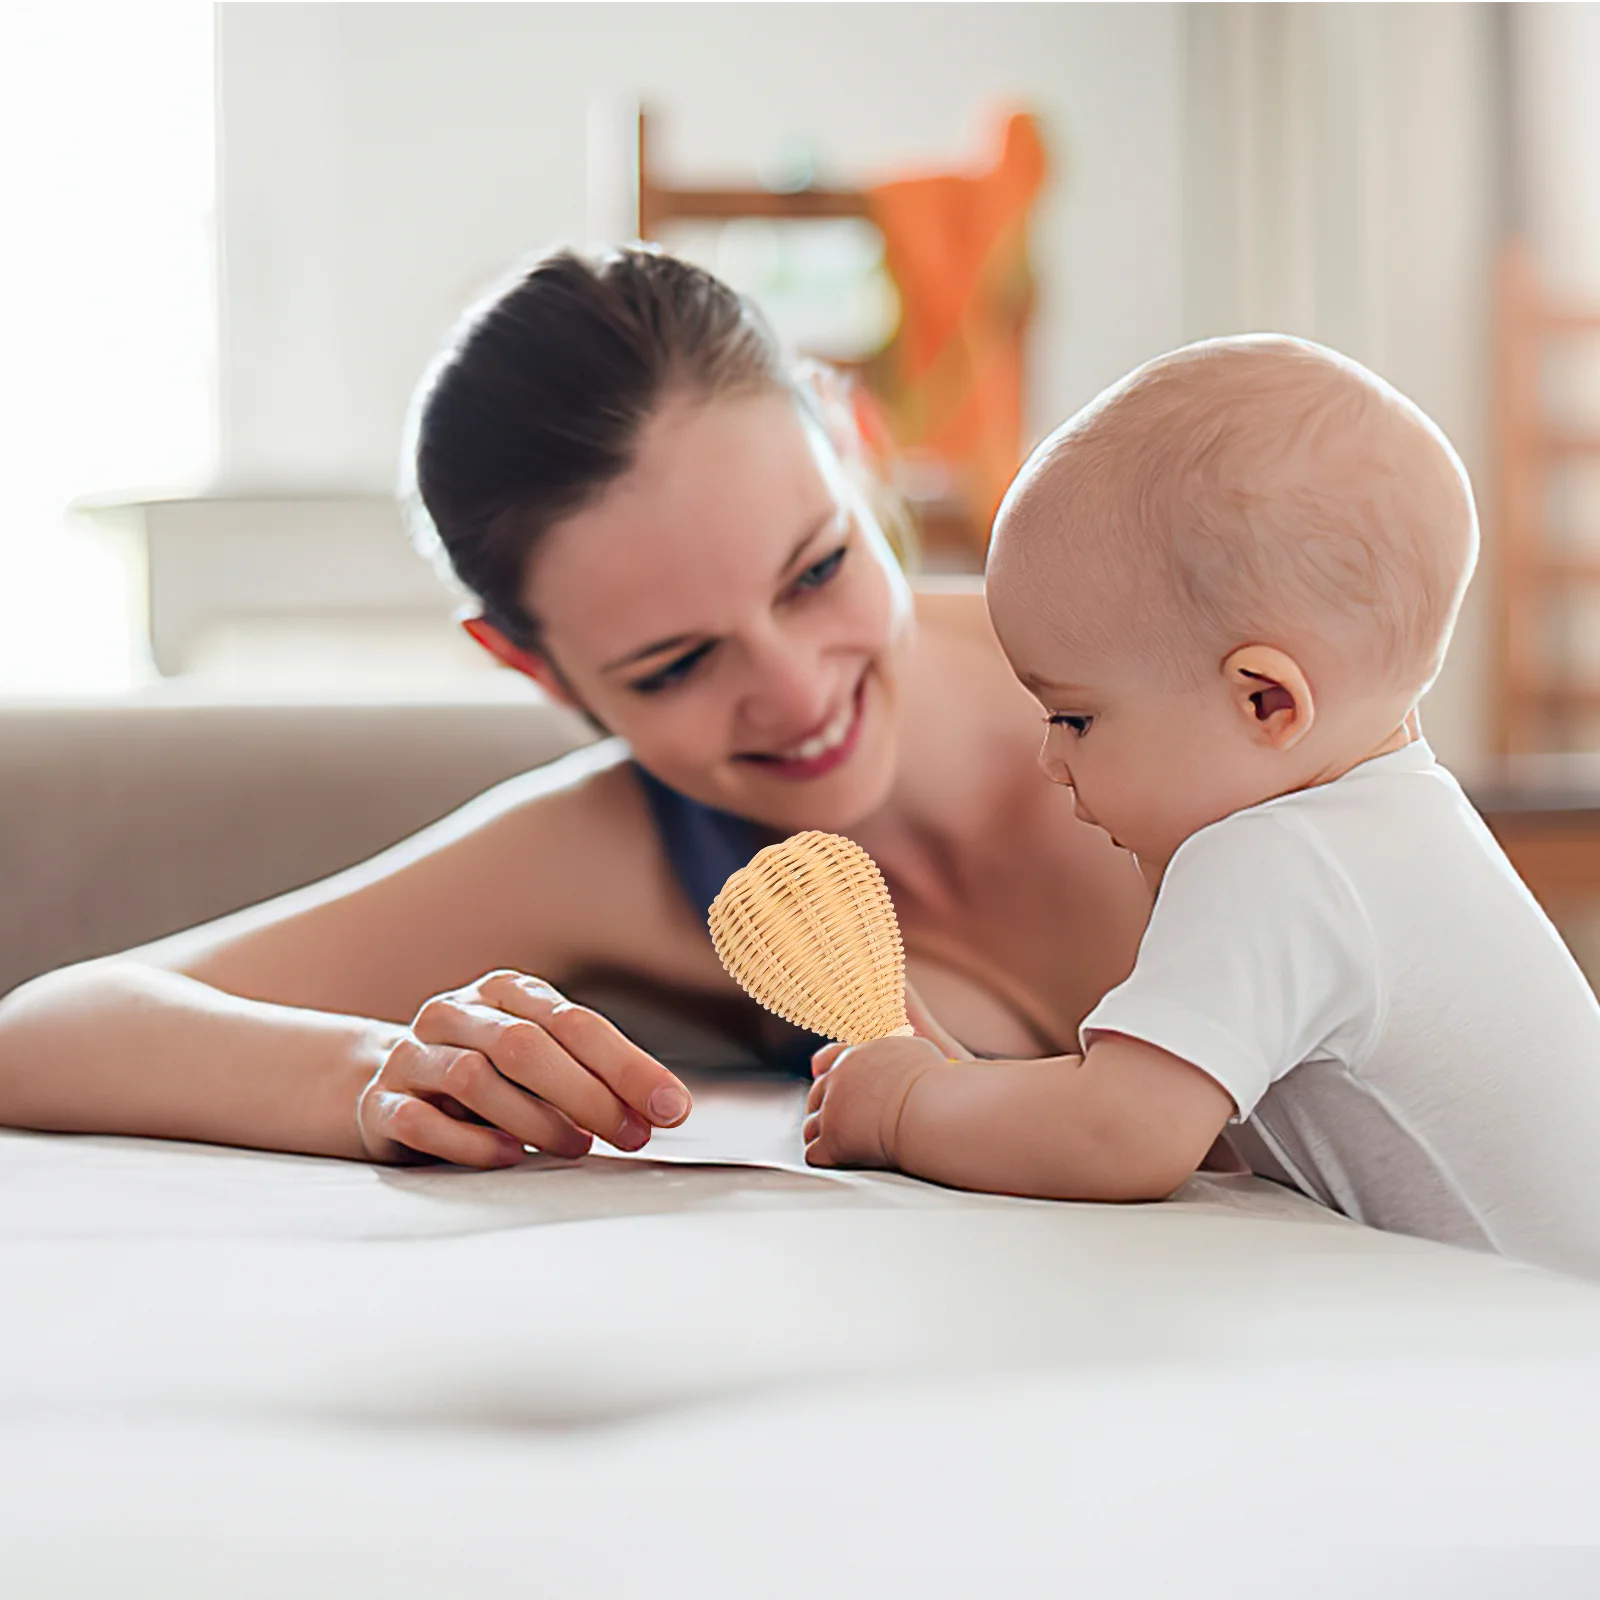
(238, 232)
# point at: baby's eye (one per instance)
(1070, 719)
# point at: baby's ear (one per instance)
(1271, 695)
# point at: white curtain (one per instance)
(1342, 182)
(1556, 76)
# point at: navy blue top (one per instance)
(704, 846)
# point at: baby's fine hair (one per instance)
(1256, 490)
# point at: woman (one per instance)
(646, 504)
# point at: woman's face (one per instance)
(731, 610)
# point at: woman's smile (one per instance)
(820, 751)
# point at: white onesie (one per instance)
(1404, 1034)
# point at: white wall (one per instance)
(1557, 57)
(1324, 169)
(381, 163)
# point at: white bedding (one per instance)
(711, 1370)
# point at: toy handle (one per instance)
(908, 1032)
(924, 1021)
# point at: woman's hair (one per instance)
(537, 405)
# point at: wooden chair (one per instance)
(1542, 796)
(1539, 694)
(946, 532)
(662, 203)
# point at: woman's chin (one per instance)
(833, 790)
(838, 810)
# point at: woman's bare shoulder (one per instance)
(547, 872)
(953, 604)
(969, 731)
(954, 620)
(581, 828)
(587, 793)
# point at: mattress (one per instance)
(707, 1369)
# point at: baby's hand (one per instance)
(857, 1098)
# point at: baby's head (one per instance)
(1231, 576)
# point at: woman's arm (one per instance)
(273, 1027)
(118, 1046)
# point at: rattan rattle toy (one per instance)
(808, 929)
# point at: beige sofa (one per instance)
(704, 1369)
(119, 823)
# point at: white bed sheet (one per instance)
(712, 1370)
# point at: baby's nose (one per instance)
(1051, 764)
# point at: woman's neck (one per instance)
(966, 744)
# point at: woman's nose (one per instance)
(790, 691)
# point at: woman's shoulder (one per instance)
(960, 695)
(589, 794)
(554, 871)
(959, 639)
(579, 835)
(953, 604)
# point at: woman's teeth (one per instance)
(820, 744)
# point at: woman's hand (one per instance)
(509, 1062)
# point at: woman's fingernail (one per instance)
(668, 1104)
(538, 989)
(632, 1133)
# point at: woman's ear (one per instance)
(1271, 694)
(528, 662)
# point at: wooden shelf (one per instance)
(1555, 695)
(1567, 321)
(660, 205)
(1568, 568)
(1545, 813)
(947, 532)
(1535, 700)
(664, 202)
(1566, 443)
(1572, 696)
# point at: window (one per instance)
(107, 295)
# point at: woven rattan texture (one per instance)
(808, 929)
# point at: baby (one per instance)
(1228, 582)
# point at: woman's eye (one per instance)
(674, 671)
(819, 572)
(1070, 719)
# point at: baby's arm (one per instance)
(1125, 1122)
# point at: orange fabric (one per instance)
(956, 246)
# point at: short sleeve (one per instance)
(1258, 956)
